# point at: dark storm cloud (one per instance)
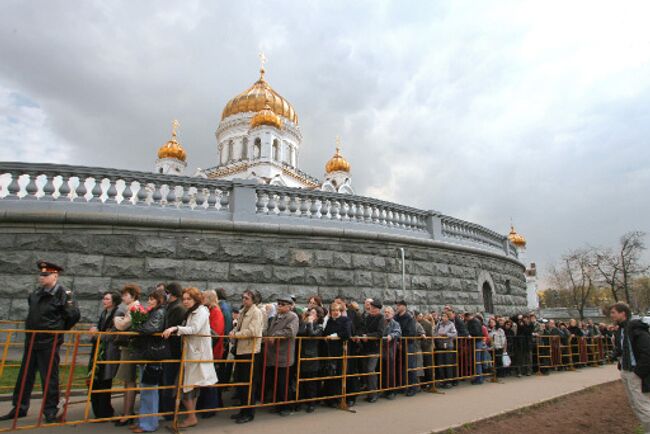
(483, 111)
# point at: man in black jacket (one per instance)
(51, 307)
(373, 328)
(632, 348)
(174, 315)
(409, 362)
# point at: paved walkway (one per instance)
(422, 413)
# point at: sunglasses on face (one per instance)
(44, 274)
(283, 304)
(246, 297)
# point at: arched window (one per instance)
(258, 148)
(244, 149)
(231, 153)
(488, 304)
(222, 154)
(276, 150)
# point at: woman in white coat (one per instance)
(196, 374)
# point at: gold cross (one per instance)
(262, 61)
(175, 125)
(338, 144)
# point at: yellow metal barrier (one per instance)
(397, 368)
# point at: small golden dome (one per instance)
(516, 238)
(266, 117)
(337, 163)
(172, 149)
(256, 98)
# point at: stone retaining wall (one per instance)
(98, 258)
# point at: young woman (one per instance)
(126, 371)
(498, 343)
(151, 372)
(107, 351)
(310, 327)
(196, 346)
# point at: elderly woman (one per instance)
(107, 351)
(127, 371)
(197, 345)
(444, 334)
(392, 334)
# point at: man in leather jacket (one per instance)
(51, 307)
(632, 348)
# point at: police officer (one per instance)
(51, 307)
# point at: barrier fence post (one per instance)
(5, 353)
(433, 388)
(179, 387)
(344, 376)
(92, 380)
(298, 363)
(251, 380)
(380, 383)
(494, 365)
(71, 374)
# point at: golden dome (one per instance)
(266, 117)
(337, 163)
(256, 98)
(172, 149)
(516, 238)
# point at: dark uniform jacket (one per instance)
(637, 332)
(50, 309)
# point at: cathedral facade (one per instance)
(259, 138)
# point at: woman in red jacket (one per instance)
(210, 397)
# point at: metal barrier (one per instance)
(558, 352)
(343, 370)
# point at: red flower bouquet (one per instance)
(139, 315)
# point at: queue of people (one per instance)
(255, 346)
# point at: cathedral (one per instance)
(259, 138)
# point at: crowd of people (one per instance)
(378, 338)
(182, 348)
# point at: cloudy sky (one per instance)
(537, 112)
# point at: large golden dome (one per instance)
(255, 99)
(516, 238)
(337, 163)
(172, 149)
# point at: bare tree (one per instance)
(619, 268)
(632, 247)
(575, 273)
(608, 266)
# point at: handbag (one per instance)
(505, 360)
(157, 349)
(152, 373)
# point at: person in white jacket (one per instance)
(197, 345)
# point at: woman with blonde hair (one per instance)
(197, 345)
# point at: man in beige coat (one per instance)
(280, 353)
(248, 342)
